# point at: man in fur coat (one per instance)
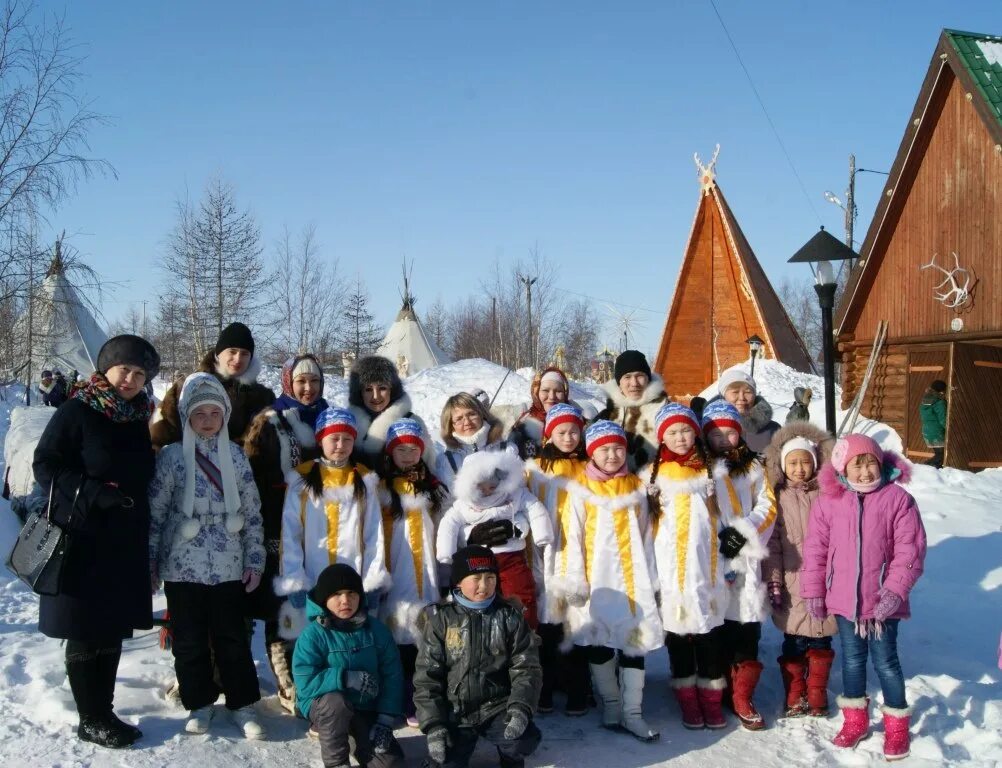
(634, 396)
(232, 361)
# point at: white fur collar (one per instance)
(246, 378)
(654, 389)
(375, 429)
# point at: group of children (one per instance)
(465, 608)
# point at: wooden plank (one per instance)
(920, 454)
(925, 368)
(987, 364)
(984, 464)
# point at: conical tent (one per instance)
(406, 342)
(64, 335)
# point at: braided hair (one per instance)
(423, 479)
(315, 484)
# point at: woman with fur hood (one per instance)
(232, 361)
(634, 396)
(376, 398)
(490, 497)
(792, 461)
(279, 439)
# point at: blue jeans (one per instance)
(798, 645)
(885, 662)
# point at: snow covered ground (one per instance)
(948, 649)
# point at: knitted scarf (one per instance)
(594, 473)
(100, 395)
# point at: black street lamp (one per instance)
(819, 252)
(755, 344)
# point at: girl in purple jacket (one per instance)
(864, 552)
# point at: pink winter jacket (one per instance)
(858, 542)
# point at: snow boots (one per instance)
(607, 687)
(744, 678)
(794, 672)
(632, 681)
(91, 674)
(711, 694)
(688, 702)
(896, 737)
(819, 666)
(280, 661)
(855, 722)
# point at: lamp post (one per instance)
(755, 344)
(819, 252)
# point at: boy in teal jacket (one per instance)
(348, 677)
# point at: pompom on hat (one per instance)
(404, 432)
(674, 413)
(720, 413)
(849, 447)
(601, 433)
(562, 413)
(335, 420)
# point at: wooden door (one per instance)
(974, 417)
(925, 365)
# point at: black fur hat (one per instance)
(129, 350)
(370, 370)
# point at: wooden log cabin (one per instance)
(936, 233)
(721, 299)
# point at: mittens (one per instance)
(492, 533)
(816, 607)
(731, 542)
(363, 682)
(887, 604)
(381, 735)
(516, 721)
(438, 744)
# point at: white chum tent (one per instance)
(407, 344)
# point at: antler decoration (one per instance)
(706, 172)
(957, 295)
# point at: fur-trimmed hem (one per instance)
(846, 703)
(683, 682)
(286, 585)
(715, 684)
(896, 712)
(382, 583)
(407, 620)
(291, 621)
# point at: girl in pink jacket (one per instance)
(864, 552)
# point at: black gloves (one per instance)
(492, 533)
(731, 542)
(110, 497)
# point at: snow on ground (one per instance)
(948, 649)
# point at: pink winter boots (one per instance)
(897, 742)
(856, 727)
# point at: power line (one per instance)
(761, 103)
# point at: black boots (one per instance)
(105, 732)
(91, 673)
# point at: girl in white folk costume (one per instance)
(613, 611)
(559, 463)
(412, 500)
(748, 513)
(331, 515)
(694, 595)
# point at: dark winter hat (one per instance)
(333, 579)
(938, 386)
(129, 350)
(373, 369)
(471, 560)
(631, 361)
(235, 336)
(46, 374)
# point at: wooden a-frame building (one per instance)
(721, 299)
(931, 263)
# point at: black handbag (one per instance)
(38, 554)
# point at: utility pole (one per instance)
(528, 298)
(850, 202)
(146, 334)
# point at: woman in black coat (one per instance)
(96, 456)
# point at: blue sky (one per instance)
(455, 133)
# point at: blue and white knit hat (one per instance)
(335, 420)
(674, 413)
(562, 413)
(601, 433)
(404, 432)
(720, 413)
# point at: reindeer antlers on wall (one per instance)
(957, 295)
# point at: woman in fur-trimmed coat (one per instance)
(634, 396)
(247, 396)
(376, 398)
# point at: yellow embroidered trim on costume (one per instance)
(415, 534)
(683, 513)
(621, 524)
(333, 509)
(735, 501)
(591, 523)
(770, 516)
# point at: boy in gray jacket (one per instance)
(478, 670)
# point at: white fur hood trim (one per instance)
(246, 378)
(654, 389)
(376, 429)
(611, 503)
(480, 466)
